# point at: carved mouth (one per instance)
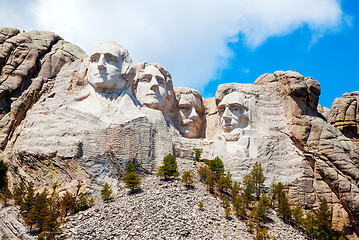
(227, 126)
(97, 74)
(190, 123)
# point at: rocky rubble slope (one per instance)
(166, 210)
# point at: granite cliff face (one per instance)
(66, 118)
(344, 115)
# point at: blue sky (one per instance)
(204, 43)
(333, 59)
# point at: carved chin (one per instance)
(190, 131)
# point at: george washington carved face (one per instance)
(109, 67)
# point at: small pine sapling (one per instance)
(106, 193)
(200, 206)
(187, 179)
(227, 213)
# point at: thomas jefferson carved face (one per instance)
(191, 113)
(232, 112)
(151, 89)
(105, 69)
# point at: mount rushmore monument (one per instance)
(76, 118)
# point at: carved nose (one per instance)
(101, 63)
(193, 114)
(226, 114)
(154, 84)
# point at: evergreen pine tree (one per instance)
(187, 179)
(200, 206)
(258, 179)
(235, 189)
(204, 172)
(130, 167)
(260, 212)
(284, 210)
(248, 190)
(41, 209)
(5, 195)
(262, 233)
(106, 192)
(29, 200)
(19, 193)
(239, 206)
(227, 213)
(224, 182)
(224, 201)
(297, 215)
(216, 165)
(3, 176)
(51, 227)
(132, 181)
(310, 225)
(324, 221)
(210, 182)
(67, 203)
(5, 192)
(197, 154)
(81, 204)
(168, 168)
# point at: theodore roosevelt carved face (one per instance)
(110, 67)
(191, 112)
(152, 86)
(232, 112)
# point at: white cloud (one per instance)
(188, 37)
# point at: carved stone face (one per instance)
(151, 88)
(105, 68)
(191, 112)
(232, 112)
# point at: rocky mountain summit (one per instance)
(68, 118)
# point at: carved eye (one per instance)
(160, 80)
(221, 110)
(145, 79)
(111, 58)
(184, 109)
(94, 59)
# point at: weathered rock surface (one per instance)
(344, 115)
(57, 129)
(12, 226)
(27, 61)
(330, 169)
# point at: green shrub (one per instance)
(168, 168)
(204, 172)
(187, 179)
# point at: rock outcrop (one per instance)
(85, 127)
(344, 115)
(330, 169)
(27, 61)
